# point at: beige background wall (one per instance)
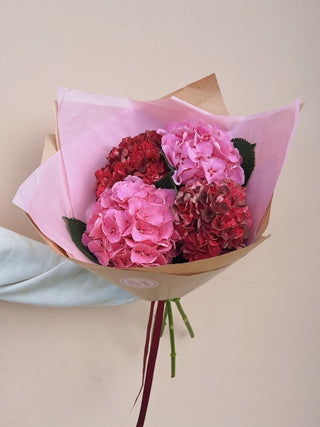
(255, 359)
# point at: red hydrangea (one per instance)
(211, 219)
(137, 156)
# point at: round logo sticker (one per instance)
(138, 282)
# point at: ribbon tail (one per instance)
(151, 363)
(146, 350)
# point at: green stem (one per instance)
(171, 330)
(184, 316)
(165, 315)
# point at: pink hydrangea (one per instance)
(131, 225)
(199, 151)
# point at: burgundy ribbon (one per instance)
(151, 359)
(146, 350)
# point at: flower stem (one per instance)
(184, 316)
(171, 330)
(164, 320)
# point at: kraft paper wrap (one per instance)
(174, 280)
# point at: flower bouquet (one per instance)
(157, 197)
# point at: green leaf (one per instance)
(246, 150)
(171, 168)
(166, 182)
(76, 229)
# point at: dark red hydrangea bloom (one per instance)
(211, 219)
(138, 156)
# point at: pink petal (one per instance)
(151, 214)
(143, 231)
(143, 254)
(214, 170)
(236, 174)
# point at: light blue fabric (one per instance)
(31, 273)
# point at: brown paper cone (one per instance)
(173, 280)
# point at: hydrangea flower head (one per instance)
(199, 151)
(131, 225)
(211, 219)
(138, 156)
